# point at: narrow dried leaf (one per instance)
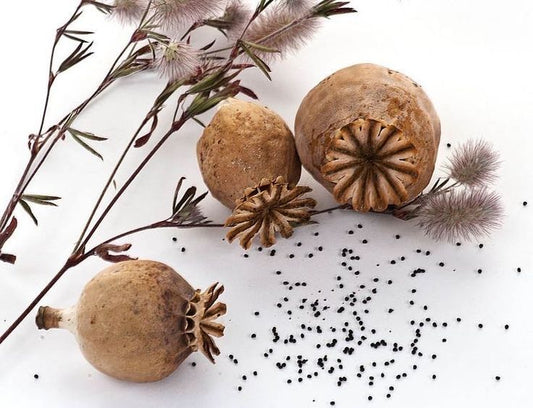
(41, 199)
(87, 147)
(28, 210)
(87, 135)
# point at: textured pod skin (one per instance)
(148, 341)
(243, 144)
(341, 121)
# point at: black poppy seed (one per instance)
(480, 271)
(519, 270)
(459, 320)
(332, 403)
(370, 397)
(433, 356)
(498, 378)
(174, 239)
(393, 262)
(310, 255)
(316, 234)
(388, 395)
(320, 248)
(428, 253)
(193, 364)
(397, 236)
(433, 377)
(255, 373)
(272, 252)
(418, 251)
(239, 388)
(480, 325)
(364, 241)
(245, 255)
(253, 335)
(389, 282)
(441, 264)
(524, 203)
(36, 376)
(259, 249)
(350, 232)
(480, 246)
(506, 327)
(183, 249)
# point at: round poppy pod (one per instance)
(139, 320)
(369, 135)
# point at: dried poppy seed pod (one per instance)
(138, 320)
(243, 144)
(369, 135)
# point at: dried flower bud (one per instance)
(283, 29)
(129, 10)
(474, 163)
(177, 60)
(464, 214)
(176, 14)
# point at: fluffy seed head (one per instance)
(237, 15)
(177, 60)
(273, 20)
(474, 163)
(464, 214)
(176, 14)
(298, 6)
(129, 10)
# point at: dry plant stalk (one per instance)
(191, 90)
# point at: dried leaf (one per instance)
(41, 199)
(141, 141)
(27, 208)
(87, 135)
(86, 146)
(8, 231)
(78, 55)
(258, 61)
(103, 251)
(9, 258)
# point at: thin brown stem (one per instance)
(35, 162)
(327, 210)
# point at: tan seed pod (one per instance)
(243, 144)
(139, 320)
(369, 135)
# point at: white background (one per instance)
(473, 59)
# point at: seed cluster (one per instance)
(345, 332)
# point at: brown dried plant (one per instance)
(199, 78)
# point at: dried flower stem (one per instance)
(43, 143)
(208, 89)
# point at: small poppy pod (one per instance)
(370, 135)
(243, 144)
